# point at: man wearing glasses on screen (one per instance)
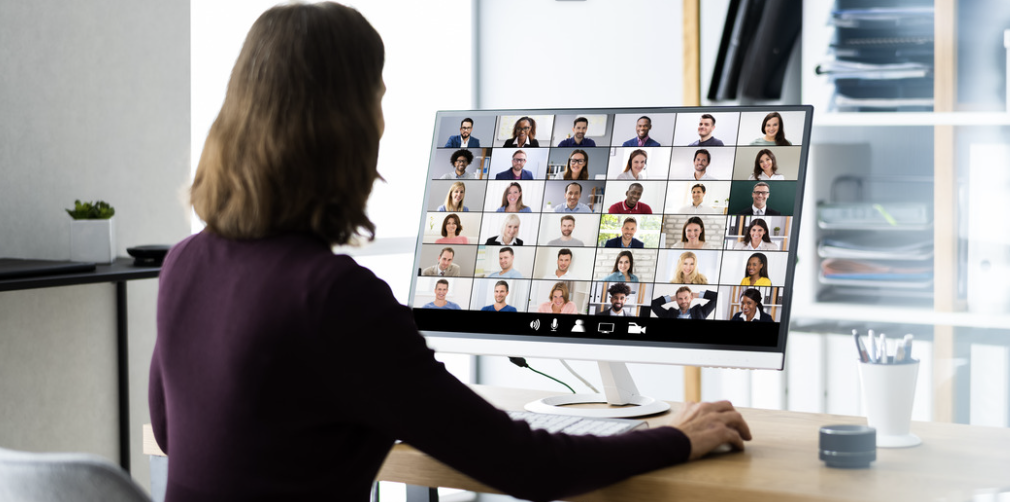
(463, 139)
(760, 194)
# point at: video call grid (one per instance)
(486, 208)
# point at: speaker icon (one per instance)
(535, 324)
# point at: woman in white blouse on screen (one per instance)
(635, 170)
(756, 238)
(765, 167)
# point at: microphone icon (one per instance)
(554, 324)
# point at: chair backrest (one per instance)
(59, 477)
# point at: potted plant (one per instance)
(777, 230)
(92, 232)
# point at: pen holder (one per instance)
(888, 392)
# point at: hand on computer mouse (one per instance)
(710, 425)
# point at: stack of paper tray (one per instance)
(882, 261)
(874, 216)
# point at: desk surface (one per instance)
(122, 269)
(780, 464)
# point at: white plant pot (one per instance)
(93, 240)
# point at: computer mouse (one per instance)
(723, 448)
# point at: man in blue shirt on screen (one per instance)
(642, 128)
(441, 289)
(517, 172)
(627, 238)
(578, 135)
(501, 292)
(706, 127)
(505, 258)
(573, 192)
(463, 139)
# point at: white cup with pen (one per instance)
(888, 388)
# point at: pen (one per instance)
(860, 347)
(882, 349)
(874, 354)
(907, 341)
(899, 352)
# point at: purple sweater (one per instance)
(284, 372)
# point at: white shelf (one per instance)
(865, 119)
(900, 315)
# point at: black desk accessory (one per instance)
(150, 255)
(848, 446)
(16, 268)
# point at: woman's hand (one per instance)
(709, 425)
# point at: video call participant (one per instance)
(463, 139)
(566, 239)
(509, 231)
(577, 167)
(774, 131)
(454, 199)
(706, 127)
(756, 237)
(756, 271)
(578, 137)
(687, 270)
(631, 204)
(441, 289)
(684, 310)
(523, 133)
(751, 309)
(697, 202)
(501, 292)
(564, 263)
(558, 302)
(517, 172)
(765, 167)
(445, 267)
(619, 293)
(642, 128)
(512, 200)
(692, 236)
(460, 159)
(293, 225)
(624, 268)
(635, 170)
(451, 227)
(702, 158)
(573, 192)
(627, 238)
(505, 258)
(761, 193)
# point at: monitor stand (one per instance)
(619, 390)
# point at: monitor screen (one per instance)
(638, 235)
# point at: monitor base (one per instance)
(619, 390)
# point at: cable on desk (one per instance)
(521, 362)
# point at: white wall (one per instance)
(94, 104)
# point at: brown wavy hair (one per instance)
(295, 146)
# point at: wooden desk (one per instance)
(117, 272)
(780, 464)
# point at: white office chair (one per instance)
(64, 477)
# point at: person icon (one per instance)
(578, 137)
(578, 328)
(463, 139)
(706, 129)
(642, 128)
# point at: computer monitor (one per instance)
(652, 235)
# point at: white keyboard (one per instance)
(577, 426)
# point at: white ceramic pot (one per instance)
(93, 240)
